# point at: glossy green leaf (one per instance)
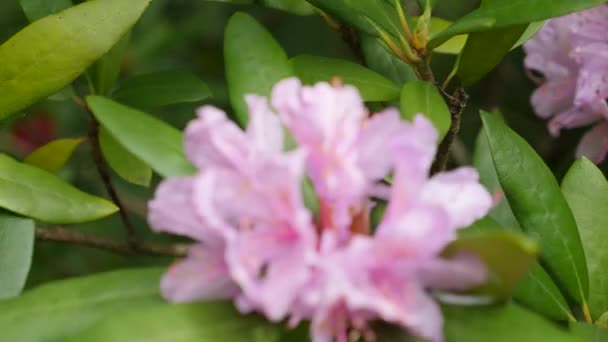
(531, 30)
(508, 256)
(541, 210)
(451, 47)
(423, 97)
(50, 53)
(371, 85)
(32, 192)
(207, 321)
(16, 248)
(586, 191)
(255, 62)
(36, 9)
(505, 13)
(52, 156)
(300, 7)
(123, 162)
(153, 141)
(107, 69)
(500, 323)
(62, 308)
(590, 332)
(384, 62)
(536, 290)
(161, 88)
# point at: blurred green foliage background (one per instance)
(188, 34)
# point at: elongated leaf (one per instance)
(505, 323)
(590, 332)
(30, 191)
(454, 45)
(300, 7)
(126, 165)
(16, 247)
(106, 70)
(54, 155)
(532, 29)
(538, 205)
(508, 256)
(586, 191)
(371, 85)
(62, 308)
(505, 13)
(536, 290)
(50, 53)
(379, 59)
(420, 97)
(36, 9)
(254, 62)
(162, 88)
(211, 321)
(151, 140)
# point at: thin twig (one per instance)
(107, 182)
(457, 104)
(71, 236)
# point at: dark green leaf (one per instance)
(16, 247)
(423, 97)
(161, 88)
(505, 13)
(586, 191)
(50, 53)
(106, 70)
(52, 156)
(537, 202)
(504, 323)
(62, 308)
(209, 321)
(30, 191)
(379, 59)
(151, 140)
(507, 255)
(536, 290)
(254, 62)
(300, 7)
(36, 9)
(371, 85)
(126, 165)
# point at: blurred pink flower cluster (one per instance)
(571, 53)
(258, 243)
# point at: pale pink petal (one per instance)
(553, 97)
(459, 273)
(594, 144)
(202, 275)
(572, 118)
(459, 193)
(264, 131)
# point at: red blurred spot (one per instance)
(31, 132)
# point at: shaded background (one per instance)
(188, 34)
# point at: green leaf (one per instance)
(50, 53)
(590, 332)
(207, 321)
(536, 290)
(586, 191)
(62, 308)
(454, 45)
(16, 248)
(126, 165)
(505, 13)
(255, 62)
(106, 70)
(531, 30)
(36, 9)
(32, 192)
(151, 140)
(161, 88)
(537, 202)
(384, 62)
(371, 85)
(52, 156)
(504, 323)
(508, 256)
(423, 97)
(300, 7)
(423, 3)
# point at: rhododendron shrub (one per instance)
(204, 172)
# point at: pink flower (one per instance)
(571, 53)
(259, 245)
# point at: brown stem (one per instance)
(457, 104)
(107, 182)
(70, 236)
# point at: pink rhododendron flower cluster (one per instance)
(258, 243)
(571, 52)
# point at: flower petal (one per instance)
(594, 144)
(264, 131)
(459, 273)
